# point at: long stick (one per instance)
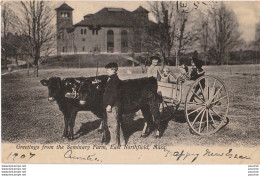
(97, 70)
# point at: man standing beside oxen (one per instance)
(111, 104)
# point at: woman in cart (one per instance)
(197, 72)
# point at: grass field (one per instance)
(84, 61)
(27, 116)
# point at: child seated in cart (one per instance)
(184, 73)
(167, 76)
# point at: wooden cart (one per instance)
(205, 102)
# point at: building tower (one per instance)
(64, 22)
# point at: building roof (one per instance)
(140, 9)
(64, 6)
(112, 17)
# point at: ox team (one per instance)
(109, 98)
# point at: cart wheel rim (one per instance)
(206, 105)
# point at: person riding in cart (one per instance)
(197, 70)
(196, 73)
(154, 67)
(184, 73)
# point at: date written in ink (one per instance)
(14, 156)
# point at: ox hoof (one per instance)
(157, 135)
(63, 137)
(104, 140)
(70, 138)
(144, 135)
(100, 130)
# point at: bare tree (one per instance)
(160, 38)
(224, 33)
(203, 34)
(174, 32)
(36, 25)
(7, 23)
(186, 34)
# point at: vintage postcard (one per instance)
(130, 82)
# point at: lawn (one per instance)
(84, 61)
(27, 116)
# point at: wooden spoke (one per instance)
(198, 115)
(216, 93)
(202, 91)
(213, 90)
(213, 126)
(207, 86)
(212, 118)
(193, 103)
(201, 120)
(217, 114)
(219, 99)
(198, 96)
(207, 117)
(195, 110)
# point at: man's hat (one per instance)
(197, 62)
(155, 58)
(112, 65)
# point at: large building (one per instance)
(110, 30)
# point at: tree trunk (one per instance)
(28, 68)
(16, 61)
(5, 60)
(36, 63)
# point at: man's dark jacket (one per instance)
(111, 94)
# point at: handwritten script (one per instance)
(91, 157)
(187, 155)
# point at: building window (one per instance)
(81, 31)
(85, 31)
(96, 32)
(63, 49)
(124, 41)
(110, 41)
(65, 14)
(138, 41)
(83, 39)
(83, 48)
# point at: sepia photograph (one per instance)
(130, 82)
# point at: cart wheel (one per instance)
(207, 104)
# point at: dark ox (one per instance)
(58, 89)
(134, 95)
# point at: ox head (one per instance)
(71, 84)
(54, 87)
(88, 91)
